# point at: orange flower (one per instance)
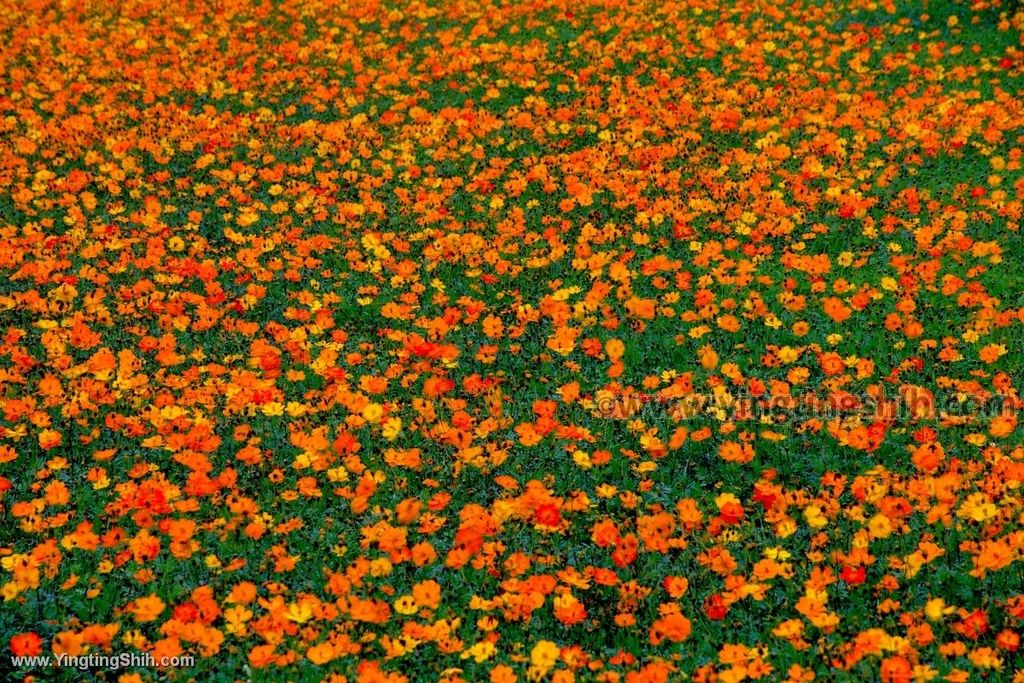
(605, 533)
(836, 310)
(641, 308)
(896, 670)
(614, 348)
(731, 451)
(676, 586)
(708, 357)
(427, 594)
(49, 439)
(928, 456)
(673, 627)
(147, 609)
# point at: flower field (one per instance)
(501, 341)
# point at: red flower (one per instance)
(186, 612)
(974, 625)
(26, 645)
(731, 513)
(547, 514)
(925, 434)
(715, 608)
(853, 576)
(764, 497)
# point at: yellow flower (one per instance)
(978, 508)
(787, 354)
(480, 652)
(879, 526)
(406, 605)
(372, 412)
(296, 409)
(236, 617)
(64, 293)
(815, 517)
(544, 655)
(582, 460)
(273, 409)
(785, 528)
(391, 428)
(300, 613)
(380, 567)
(936, 608)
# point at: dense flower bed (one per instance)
(495, 341)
